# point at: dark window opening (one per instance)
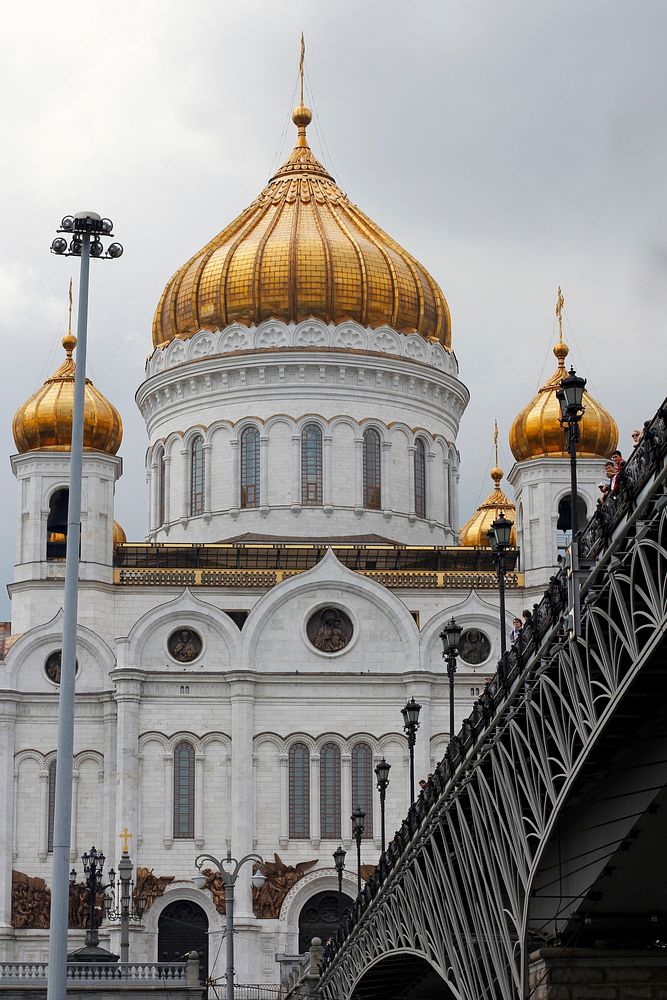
(250, 467)
(184, 790)
(238, 617)
(311, 466)
(299, 791)
(56, 525)
(372, 470)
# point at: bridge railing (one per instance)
(641, 469)
(14, 973)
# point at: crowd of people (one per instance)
(613, 470)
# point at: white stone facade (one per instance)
(253, 692)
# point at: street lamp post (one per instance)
(85, 229)
(570, 396)
(339, 862)
(93, 866)
(123, 908)
(500, 534)
(450, 638)
(229, 869)
(410, 713)
(382, 774)
(358, 817)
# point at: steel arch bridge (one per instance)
(508, 845)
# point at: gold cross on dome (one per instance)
(125, 835)
(560, 302)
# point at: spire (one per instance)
(561, 350)
(302, 116)
(69, 340)
(496, 471)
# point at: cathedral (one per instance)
(241, 671)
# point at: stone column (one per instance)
(73, 850)
(264, 473)
(42, 852)
(152, 477)
(7, 813)
(167, 487)
(315, 800)
(327, 485)
(433, 500)
(447, 515)
(284, 799)
(386, 476)
(242, 696)
(207, 478)
(296, 471)
(15, 801)
(168, 799)
(200, 796)
(346, 800)
(185, 485)
(127, 698)
(109, 798)
(358, 475)
(235, 501)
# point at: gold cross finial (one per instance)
(495, 438)
(69, 323)
(301, 59)
(560, 302)
(125, 835)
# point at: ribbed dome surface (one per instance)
(44, 422)
(537, 432)
(475, 531)
(301, 250)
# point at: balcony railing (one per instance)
(12, 973)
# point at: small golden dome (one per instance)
(474, 532)
(119, 536)
(537, 431)
(44, 422)
(302, 249)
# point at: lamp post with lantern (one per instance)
(450, 638)
(339, 862)
(382, 770)
(229, 869)
(570, 396)
(358, 817)
(120, 905)
(410, 713)
(93, 867)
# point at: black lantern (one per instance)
(410, 713)
(501, 532)
(450, 637)
(358, 817)
(571, 395)
(339, 862)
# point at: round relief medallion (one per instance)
(52, 666)
(329, 630)
(184, 645)
(474, 647)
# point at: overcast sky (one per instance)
(510, 146)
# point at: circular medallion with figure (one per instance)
(329, 630)
(184, 645)
(474, 647)
(52, 666)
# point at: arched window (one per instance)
(161, 488)
(197, 476)
(362, 783)
(250, 467)
(330, 792)
(184, 790)
(311, 466)
(420, 478)
(51, 813)
(56, 525)
(372, 470)
(299, 791)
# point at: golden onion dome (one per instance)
(44, 422)
(119, 536)
(537, 431)
(474, 532)
(302, 249)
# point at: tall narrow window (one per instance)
(362, 783)
(250, 467)
(372, 470)
(197, 476)
(184, 790)
(330, 792)
(420, 478)
(311, 466)
(52, 806)
(299, 791)
(56, 525)
(161, 487)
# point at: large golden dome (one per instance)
(475, 531)
(302, 249)
(44, 422)
(537, 431)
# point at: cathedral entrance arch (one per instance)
(183, 927)
(319, 918)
